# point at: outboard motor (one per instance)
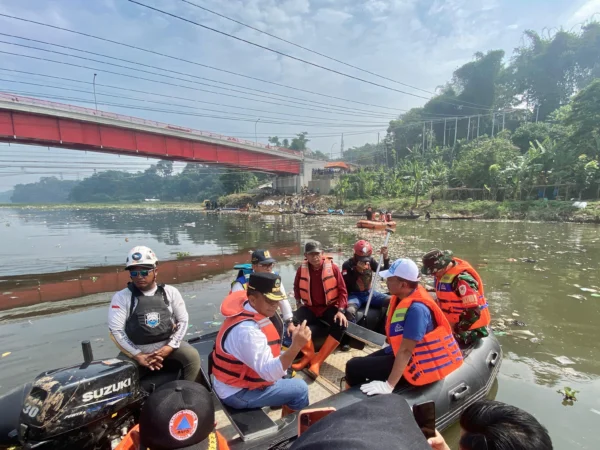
(85, 406)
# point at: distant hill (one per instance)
(5, 196)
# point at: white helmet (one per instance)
(141, 256)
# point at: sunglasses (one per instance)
(143, 273)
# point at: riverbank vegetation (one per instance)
(517, 129)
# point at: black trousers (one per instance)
(376, 366)
(336, 331)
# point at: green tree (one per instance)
(236, 181)
(47, 190)
(584, 119)
(475, 158)
(299, 142)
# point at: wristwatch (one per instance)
(342, 310)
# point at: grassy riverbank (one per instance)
(510, 210)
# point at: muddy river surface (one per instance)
(540, 278)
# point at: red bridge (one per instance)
(32, 121)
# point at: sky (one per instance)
(416, 43)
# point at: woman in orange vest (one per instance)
(422, 348)
(460, 294)
(320, 294)
(178, 415)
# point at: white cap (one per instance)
(403, 268)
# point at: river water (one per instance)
(541, 274)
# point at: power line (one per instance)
(193, 62)
(168, 104)
(158, 68)
(184, 113)
(316, 52)
(292, 57)
(38, 58)
(168, 96)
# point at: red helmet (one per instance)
(363, 250)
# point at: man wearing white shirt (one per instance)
(247, 364)
(148, 321)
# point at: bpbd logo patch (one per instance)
(153, 319)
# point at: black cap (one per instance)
(312, 246)
(268, 284)
(262, 257)
(178, 415)
(383, 421)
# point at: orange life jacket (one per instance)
(452, 305)
(330, 285)
(225, 367)
(437, 355)
(216, 441)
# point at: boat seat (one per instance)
(250, 423)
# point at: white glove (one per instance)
(377, 388)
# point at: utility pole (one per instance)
(493, 123)
(455, 130)
(537, 114)
(423, 136)
(95, 101)
(444, 132)
(342, 147)
(255, 135)
(431, 135)
(503, 119)
(331, 150)
(468, 128)
(478, 117)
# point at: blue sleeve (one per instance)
(417, 322)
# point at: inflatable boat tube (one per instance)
(372, 225)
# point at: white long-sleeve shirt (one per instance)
(284, 305)
(118, 314)
(246, 343)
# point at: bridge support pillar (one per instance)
(292, 184)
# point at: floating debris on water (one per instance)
(569, 395)
(5, 354)
(577, 296)
(564, 360)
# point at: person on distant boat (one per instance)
(148, 321)
(263, 262)
(358, 276)
(369, 213)
(460, 294)
(248, 368)
(320, 294)
(388, 216)
(415, 327)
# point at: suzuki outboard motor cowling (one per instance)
(67, 399)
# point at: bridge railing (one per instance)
(109, 115)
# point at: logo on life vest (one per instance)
(183, 424)
(152, 319)
(398, 328)
(277, 284)
(462, 289)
